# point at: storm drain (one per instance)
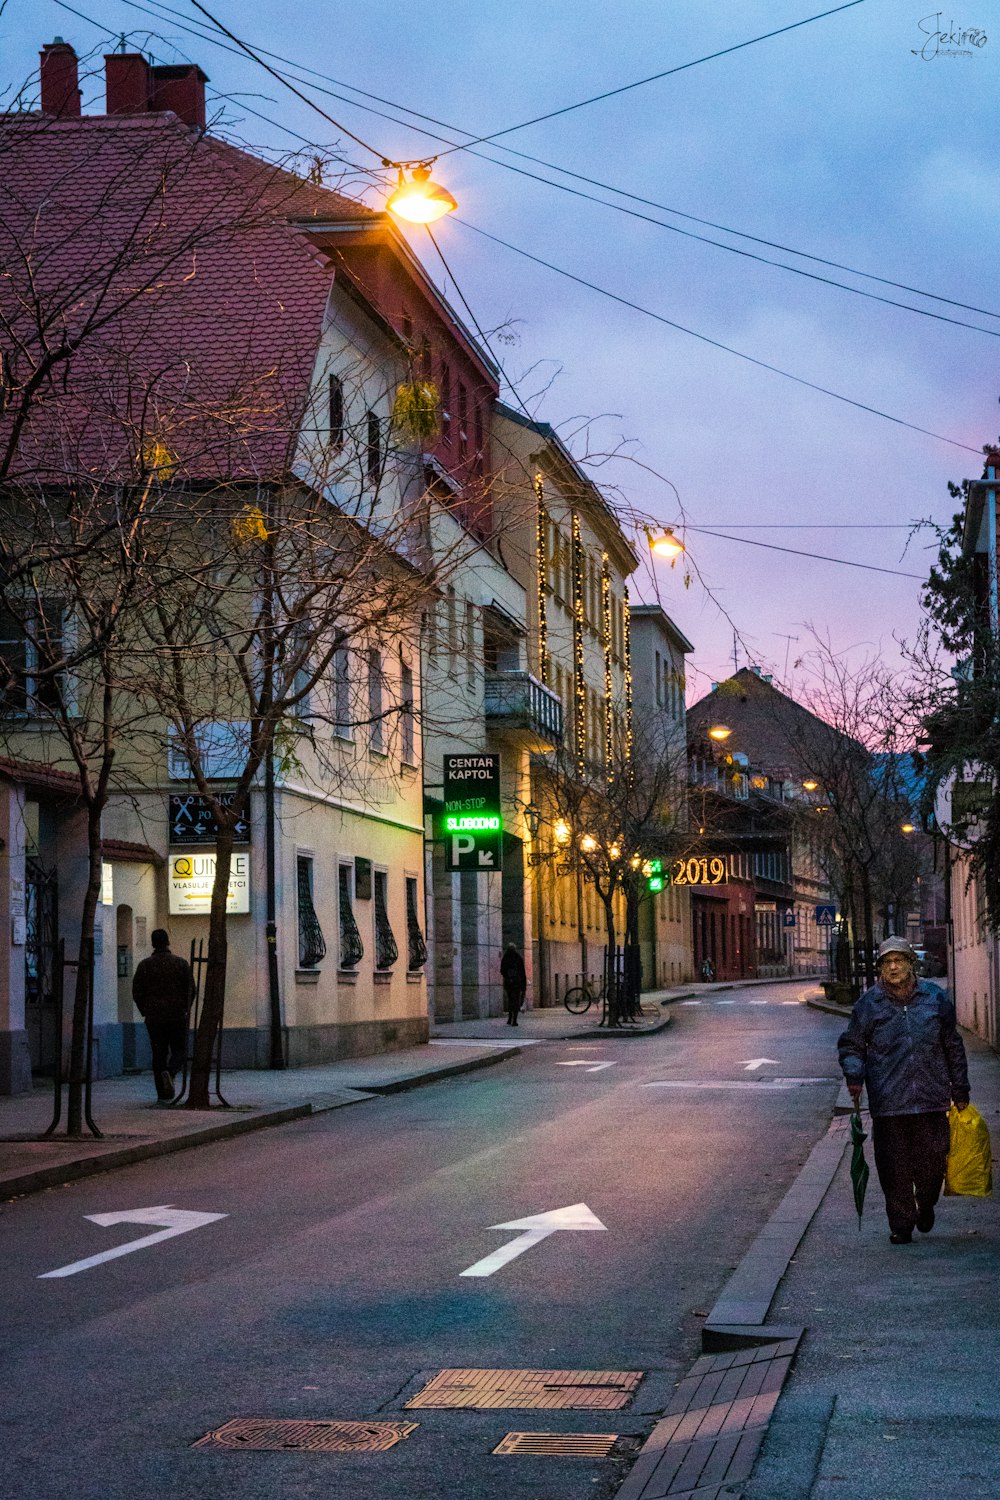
(559, 1444)
(266, 1434)
(604, 1390)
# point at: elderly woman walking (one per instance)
(903, 1044)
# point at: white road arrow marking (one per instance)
(751, 1064)
(174, 1221)
(581, 1062)
(537, 1227)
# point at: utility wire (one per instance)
(715, 343)
(818, 556)
(603, 186)
(311, 103)
(626, 88)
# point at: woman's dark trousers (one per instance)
(911, 1152)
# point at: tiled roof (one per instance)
(216, 301)
(771, 729)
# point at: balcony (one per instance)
(519, 706)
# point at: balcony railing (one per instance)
(516, 700)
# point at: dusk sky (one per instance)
(858, 138)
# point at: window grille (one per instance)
(352, 949)
(415, 945)
(386, 951)
(312, 947)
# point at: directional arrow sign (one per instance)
(581, 1062)
(537, 1227)
(751, 1064)
(173, 1221)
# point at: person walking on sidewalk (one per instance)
(163, 989)
(515, 982)
(903, 1043)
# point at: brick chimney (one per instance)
(60, 79)
(181, 89)
(134, 87)
(128, 83)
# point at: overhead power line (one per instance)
(844, 562)
(161, 9)
(715, 343)
(626, 88)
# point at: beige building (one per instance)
(563, 542)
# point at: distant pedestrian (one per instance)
(903, 1044)
(163, 989)
(515, 982)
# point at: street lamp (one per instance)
(719, 732)
(810, 786)
(533, 819)
(419, 201)
(588, 843)
(561, 832)
(907, 828)
(664, 543)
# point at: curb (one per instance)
(618, 1032)
(126, 1156)
(706, 1442)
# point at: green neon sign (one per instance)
(472, 823)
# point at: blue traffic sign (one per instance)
(826, 916)
(789, 919)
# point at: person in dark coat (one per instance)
(903, 1044)
(163, 989)
(515, 982)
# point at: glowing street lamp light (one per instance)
(561, 832)
(588, 843)
(810, 786)
(420, 201)
(908, 828)
(719, 732)
(665, 544)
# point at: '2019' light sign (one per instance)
(701, 870)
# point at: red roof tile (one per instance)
(206, 304)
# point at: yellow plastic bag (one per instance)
(970, 1161)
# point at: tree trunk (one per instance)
(866, 909)
(214, 1001)
(84, 979)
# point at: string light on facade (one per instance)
(579, 686)
(609, 744)
(627, 650)
(542, 550)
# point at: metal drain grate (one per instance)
(273, 1435)
(604, 1390)
(559, 1444)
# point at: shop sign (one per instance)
(191, 877)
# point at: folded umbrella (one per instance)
(859, 1167)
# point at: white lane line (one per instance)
(690, 1002)
(758, 1002)
(725, 1002)
(579, 1062)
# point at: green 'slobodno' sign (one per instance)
(471, 823)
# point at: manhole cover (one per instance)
(559, 1444)
(606, 1390)
(267, 1434)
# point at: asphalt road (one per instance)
(333, 1286)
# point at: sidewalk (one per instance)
(136, 1128)
(895, 1392)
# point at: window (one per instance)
(463, 422)
(298, 639)
(470, 643)
(446, 404)
(480, 457)
(342, 715)
(312, 948)
(29, 645)
(416, 948)
(452, 623)
(352, 949)
(335, 407)
(425, 358)
(373, 449)
(406, 717)
(386, 951)
(377, 731)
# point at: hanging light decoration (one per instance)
(627, 650)
(542, 575)
(609, 742)
(579, 686)
(419, 201)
